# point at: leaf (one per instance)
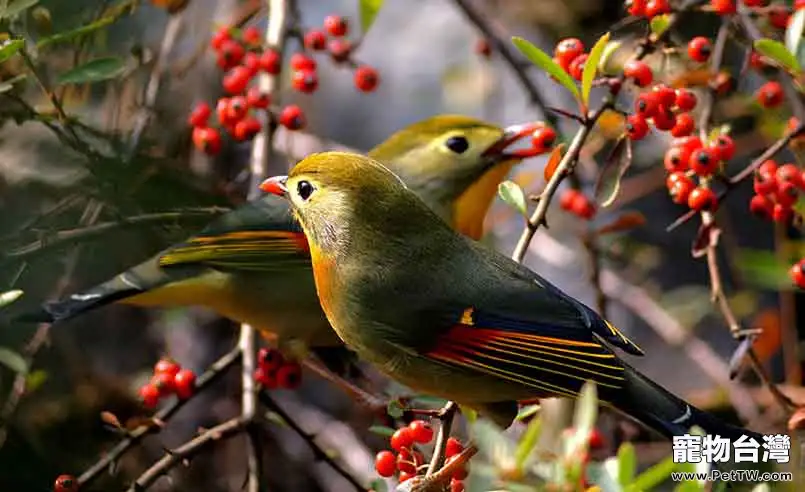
(72, 34)
(526, 412)
(13, 360)
(706, 237)
(609, 50)
(35, 380)
(553, 162)
(493, 443)
(627, 221)
(591, 67)
(609, 179)
(378, 485)
(777, 51)
(513, 195)
(586, 413)
(94, 71)
(7, 85)
(111, 420)
(368, 12)
(793, 34)
(527, 443)
(654, 476)
(659, 24)
(17, 7)
(10, 48)
(545, 62)
(627, 463)
(9, 296)
(394, 409)
(382, 430)
(717, 131)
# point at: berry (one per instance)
(237, 79)
(460, 473)
(567, 199)
(765, 184)
(456, 485)
(207, 140)
(165, 365)
(755, 3)
(768, 168)
(266, 377)
(646, 104)
(270, 62)
(779, 16)
(689, 143)
(568, 50)
(724, 83)
(217, 39)
(366, 78)
(636, 127)
(684, 125)
(676, 159)
(185, 382)
(770, 94)
(724, 147)
(685, 100)
(385, 463)
(246, 128)
(289, 375)
(402, 438)
(236, 109)
(723, 7)
(340, 50)
(65, 483)
(576, 67)
(256, 98)
(789, 173)
(483, 48)
(757, 61)
(231, 53)
(761, 206)
(799, 4)
(269, 358)
(699, 49)
(405, 462)
(292, 117)
(251, 36)
(543, 139)
(421, 431)
(199, 116)
(679, 187)
(453, 447)
(336, 25)
(305, 81)
(163, 382)
(665, 119)
(404, 477)
(702, 199)
(300, 62)
(787, 194)
(657, 7)
(639, 72)
(315, 40)
(798, 274)
(596, 440)
(636, 8)
(782, 213)
(251, 61)
(703, 162)
(666, 95)
(582, 206)
(149, 396)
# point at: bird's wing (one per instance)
(262, 235)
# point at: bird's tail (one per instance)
(657, 408)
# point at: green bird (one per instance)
(447, 316)
(252, 265)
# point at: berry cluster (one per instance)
(169, 378)
(275, 371)
(409, 461)
(242, 55)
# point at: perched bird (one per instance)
(447, 316)
(252, 265)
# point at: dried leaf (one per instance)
(609, 179)
(706, 237)
(553, 162)
(111, 420)
(625, 222)
(797, 420)
(136, 422)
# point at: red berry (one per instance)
(456, 485)
(422, 432)
(636, 127)
(292, 117)
(679, 187)
(402, 438)
(761, 206)
(185, 382)
(646, 104)
(340, 50)
(638, 72)
(300, 61)
(684, 125)
(703, 162)
(567, 199)
(723, 7)
(149, 396)
(799, 4)
(165, 365)
(543, 139)
(164, 383)
(765, 184)
(702, 199)
(567, 50)
(251, 61)
(724, 147)
(685, 100)
(453, 447)
(289, 375)
(266, 377)
(665, 119)
(460, 473)
(207, 140)
(768, 168)
(770, 94)
(270, 62)
(405, 462)
(200, 115)
(699, 49)
(798, 274)
(366, 78)
(256, 98)
(385, 463)
(305, 81)
(236, 109)
(217, 39)
(237, 79)
(231, 53)
(779, 16)
(576, 67)
(676, 159)
(65, 483)
(251, 36)
(657, 7)
(483, 48)
(755, 3)
(270, 358)
(596, 440)
(757, 61)
(336, 25)
(582, 206)
(636, 8)
(315, 40)
(689, 143)
(404, 477)
(789, 173)
(787, 193)
(666, 95)
(246, 128)
(782, 213)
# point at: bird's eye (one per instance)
(304, 189)
(457, 144)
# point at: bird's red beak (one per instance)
(514, 134)
(275, 185)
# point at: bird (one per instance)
(252, 264)
(450, 317)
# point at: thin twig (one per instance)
(437, 481)
(446, 415)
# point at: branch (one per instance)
(446, 415)
(437, 481)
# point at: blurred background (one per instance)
(424, 51)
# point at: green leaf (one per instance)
(35, 380)
(717, 131)
(527, 443)
(395, 410)
(777, 51)
(618, 162)
(493, 443)
(545, 62)
(591, 66)
(9, 296)
(763, 269)
(627, 463)
(382, 430)
(526, 412)
(654, 476)
(609, 50)
(10, 48)
(513, 195)
(793, 34)
(378, 485)
(94, 71)
(368, 12)
(13, 360)
(73, 34)
(17, 7)
(586, 411)
(659, 24)
(7, 85)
